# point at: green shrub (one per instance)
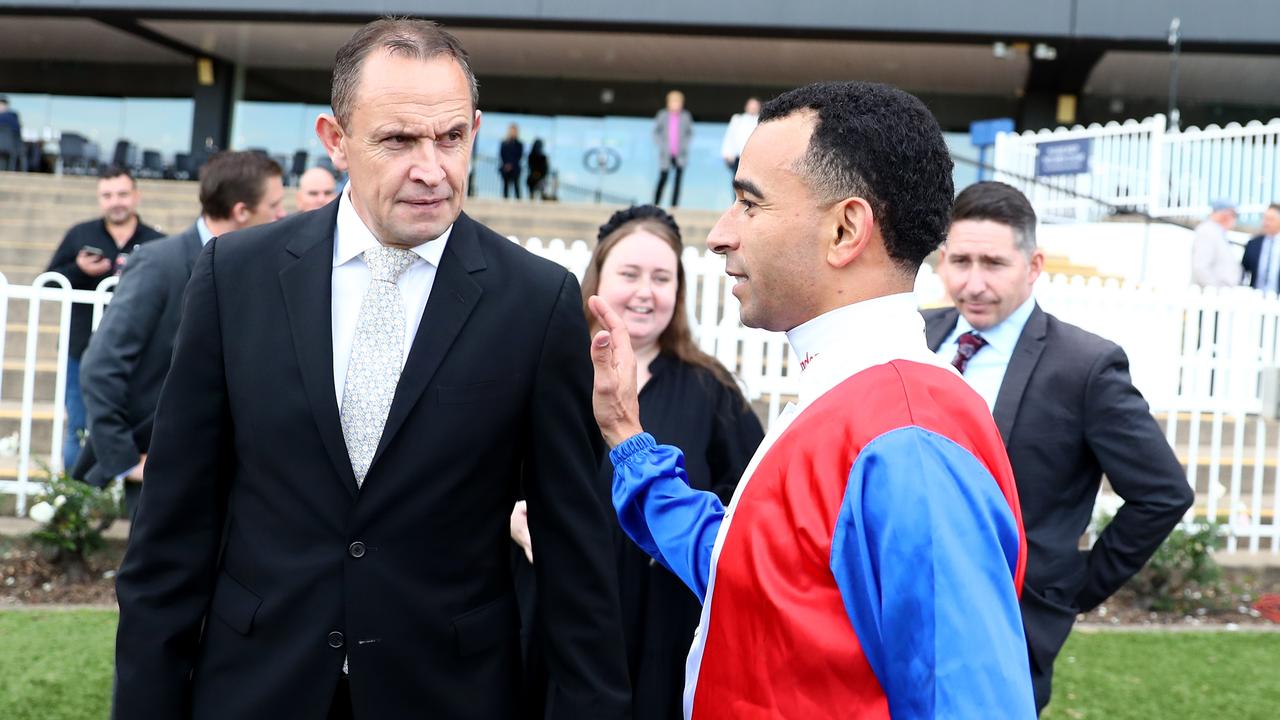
(72, 517)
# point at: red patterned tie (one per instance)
(967, 345)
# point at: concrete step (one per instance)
(12, 374)
(15, 346)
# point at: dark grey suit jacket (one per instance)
(128, 357)
(1068, 413)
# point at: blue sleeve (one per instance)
(675, 524)
(924, 553)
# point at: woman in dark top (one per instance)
(687, 399)
(538, 168)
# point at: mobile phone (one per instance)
(92, 250)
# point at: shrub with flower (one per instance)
(72, 517)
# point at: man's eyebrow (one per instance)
(747, 187)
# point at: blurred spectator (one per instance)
(128, 357)
(672, 133)
(538, 168)
(11, 147)
(90, 252)
(9, 118)
(316, 188)
(1213, 262)
(1068, 413)
(735, 136)
(1262, 255)
(510, 153)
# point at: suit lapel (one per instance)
(306, 277)
(1026, 353)
(938, 326)
(454, 295)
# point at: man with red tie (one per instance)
(1067, 412)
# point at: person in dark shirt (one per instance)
(538, 168)
(510, 153)
(90, 252)
(686, 396)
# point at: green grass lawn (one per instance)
(1167, 675)
(56, 665)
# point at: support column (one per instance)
(214, 94)
(1055, 84)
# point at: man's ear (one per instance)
(240, 213)
(853, 230)
(331, 134)
(1036, 266)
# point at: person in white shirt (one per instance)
(735, 136)
(1214, 263)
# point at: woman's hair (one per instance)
(676, 339)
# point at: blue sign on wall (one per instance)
(983, 132)
(1064, 157)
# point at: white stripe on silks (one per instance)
(694, 662)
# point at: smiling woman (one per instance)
(686, 397)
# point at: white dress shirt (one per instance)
(740, 128)
(351, 278)
(985, 371)
(1268, 265)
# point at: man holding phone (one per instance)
(90, 252)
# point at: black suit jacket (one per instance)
(128, 357)
(1252, 260)
(251, 524)
(1069, 413)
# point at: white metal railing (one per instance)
(1148, 167)
(37, 298)
(1199, 357)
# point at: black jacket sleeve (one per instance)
(1143, 470)
(127, 327)
(64, 261)
(166, 581)
(578, 609)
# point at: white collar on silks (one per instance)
(843, 342)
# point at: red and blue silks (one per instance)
(869, 568)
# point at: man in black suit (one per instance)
(1068, 413)
(1261, 258)
(357, 396)
(128, 357)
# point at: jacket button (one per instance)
(335, 639)
(356, 549)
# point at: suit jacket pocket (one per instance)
(234, 604)
(486, 626)
(477, 392)
(1047, 625)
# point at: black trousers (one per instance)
(341, 707)
(511, 182)
(662, 183)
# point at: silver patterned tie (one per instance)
(377, 356)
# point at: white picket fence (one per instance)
(1200, 358)
(1148, 167)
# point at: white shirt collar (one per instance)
(202, 229)
(1004, 336)
(352, 237)
(845, 341)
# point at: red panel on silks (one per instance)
(779, 638)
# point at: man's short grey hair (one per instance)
(402, 37)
